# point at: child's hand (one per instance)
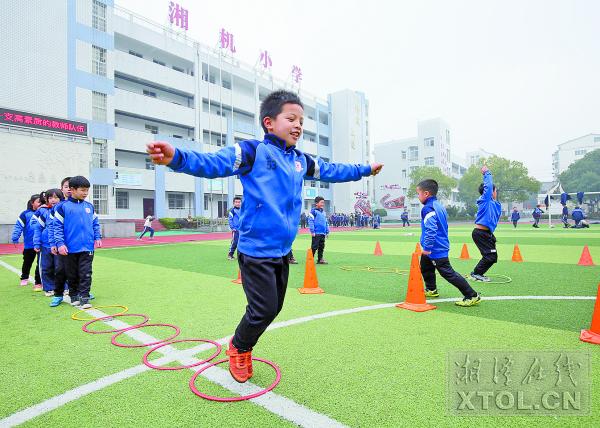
(36, 249)
(99, 243)
(426, 252)
(160, 152)
(54, 250)
(484, 169)
(376, 168)
(62, 250)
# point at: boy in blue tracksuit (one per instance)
(23, 225)
(43, 238)
(537, 214)
(234, 224)
(272, 172)
(319, 229)
(565, 217)
(578, 217)
(435, 246)
(76, 230)
(486, 221)
(515, 216)
(404, 217)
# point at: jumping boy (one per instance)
(234, 223)
(319, 229)
(435, 245)
(486, 221)
(272, 172)
(76, 230)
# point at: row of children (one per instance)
(61, 228)
(577, 215)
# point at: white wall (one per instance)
(34, 164)
(33, 57)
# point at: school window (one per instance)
(181, 70)
(156, 61)
(429, 142)
(429, 161)
(309, 137)
(324, 185)
(403, 154)
(404, 190)
(122, 200)
(403, 173)
(149, 93)
(149, 164)
(98, 106)
(324, 141)
(153, 129)
(99, 153)
(134, 53)
(100, 199)
(176, 201)
(580, 152)
(413, 153)
(596, 139)
(98, 15)
(324, 118)
(98, 61)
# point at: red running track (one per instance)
(6, 249)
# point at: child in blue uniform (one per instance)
(234, 224)
(486, 221)
(23, 225)
(272, 172)
(435, 246)
(319, 229)
(515, 217)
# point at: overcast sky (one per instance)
(514, 77)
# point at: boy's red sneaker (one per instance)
(240, 363)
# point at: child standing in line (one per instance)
(319, 229)
(43, 238)
(60, 274)
(486, 221)
(272, 172)
(435, 246)
(23, 225)
(77, 230)
(515, 216)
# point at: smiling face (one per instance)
(287, 125)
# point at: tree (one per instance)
(445, 183)
(582, 175)
(510, 177)
(381, 211)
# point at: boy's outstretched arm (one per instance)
(488, 183)
(338, 172)
(227, 161)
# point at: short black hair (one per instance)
(237, 198)
(55, 192)
(79, 181)
(429, 185)
(481, 188)
(43, 199)
(64, 180)
(319, 199)
(273, 104)
(31, 201)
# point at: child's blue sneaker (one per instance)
(92, 296)
(56, 300)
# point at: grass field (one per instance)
(378, 367)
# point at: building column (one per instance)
(160, 196)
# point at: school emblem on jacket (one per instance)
(271, 163)
(298, 166)
(88, 210)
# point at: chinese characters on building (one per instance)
(178, 15)
(30, 120)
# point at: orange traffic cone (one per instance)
(586, 258)
(239, 278)
(517, 254)
(311, 283)
(415, 295)
(418, 249)
(593, 334)
(378, 251)
(464, 254)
